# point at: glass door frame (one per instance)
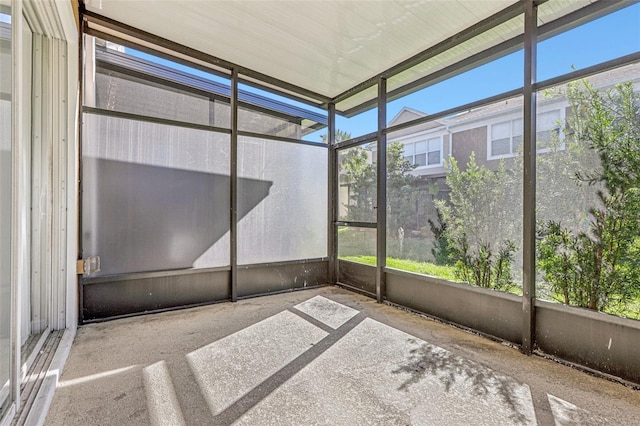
(380, 224)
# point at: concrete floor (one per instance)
(323, 356)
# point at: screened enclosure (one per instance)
(156, 173)
(471, 182)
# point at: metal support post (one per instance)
(233, 190)
(381, 249)
(529, 180)
(332, 204)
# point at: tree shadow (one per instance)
(432, 361)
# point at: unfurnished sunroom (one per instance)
(472, 161)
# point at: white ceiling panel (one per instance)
(325, 46)
(496, 35)
(555, 9)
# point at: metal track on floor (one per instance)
(36, 375)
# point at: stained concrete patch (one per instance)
(229, 368)
(379, 375)
(327, 311)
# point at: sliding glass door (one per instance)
(5, 203)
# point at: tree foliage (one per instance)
(482, 222)
(442, 251)
(401, 191)
(481, 203)
(560, 195)
(358, 174)
(598, 266)
(484, 265)
(340, 136)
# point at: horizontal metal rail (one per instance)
(146, 275)
(154, 120)
(353, 224)
(589, 71)
(369, 137)
(456, 39)
(281, 139)
(456, 110)
(546, 31)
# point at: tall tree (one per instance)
(340, 136)
(599, 267)
(483, 203)
(358, 178)
(358, 175)
(482, 221)
(401, 192)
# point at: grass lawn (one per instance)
(425, 268)
(632, 310)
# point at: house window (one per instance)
(424, 153)
(434, 151)
(409, 150)
(506, 137)
(420, 157)
(548, 128)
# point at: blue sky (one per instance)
(609, 37)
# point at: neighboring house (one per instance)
(492, 132)
(426, 146)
